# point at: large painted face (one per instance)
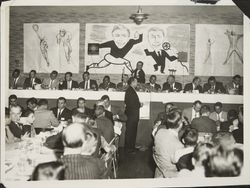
(156, 38)
(121, 37)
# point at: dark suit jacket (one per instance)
(16, 131)
(166, 86)
(64, 85)
(132, 102)
(218, 87)
(117, 110)
(66, 113)
(110, 85)
(106, 128)
(109, 115)
(204, 124)
(93, 85)
(189, 87)
(140, 77)
(27, 82)
(19, 83)
(156, 87)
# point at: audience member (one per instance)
(138, 73)
(213, 87)
(106, 84)
(152, 86)
(235, 87)
(218, 115)
(193, 112)
(31, 104)
(16, 81)
(87, 83)
(44, 118)
(61, 112)
(28, 119)
(193, 87)
(31, 81)
(224, 139)
(163, 151)
(81, 106)
(77, 139)
(68, 83)
(232, 119)
(171, 85)
(48, 171)
(203, 123)
(52, 82)
(12, 100)
(123, 85)
(238, 130)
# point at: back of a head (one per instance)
(201, 152)
(190, 137)
(174, 119)
(232, 115)
(224, 162)
(48, 171)
(78, 116)
(224, 139)
(205, 109)
(42, 102)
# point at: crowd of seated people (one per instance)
(171, 85)
(203, 143)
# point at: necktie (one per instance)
(59, 114)
(86, 85)
(218, 117)
(68, 85)
(14, 83)
(50, 85)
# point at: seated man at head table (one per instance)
(123, 85)
(106, 84)
(31, 81)
(193, 87)
(44, 118)
(213, 87)
(52, 82)
(87, 83)
(68, 83)
(16, 81)
(235, 87)
(81, 105)
(79, 144)
(171, 85)
(152, 86)
(61, 112)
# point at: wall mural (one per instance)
(114, 48)
(219, 50)
(51, 46)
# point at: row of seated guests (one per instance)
(171, 85)
(202, 147)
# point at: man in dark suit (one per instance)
(235, 87)
(106, 84)
(81, 106)
(152, 86)
(87, 83)
(194, 86)
(138, 73)
(132, 111)
(213, 86)
(16, 81)
(61, 112)
(171, 85)
(204, 123)
(68, 83)
(31, 81)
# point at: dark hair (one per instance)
(224, 162)
(202, 151)
(43, 102)
(61, 98)
(70, 73)
(12, 97)
(17, 71)
(169, 103)
(232, 115)
(173, 119)
(130, 80)
(78, 114)
(31, 100)
(205, 109)
(81, 99)
(140, 62)
(221, 136)
(48, 169)
(106, 77)
(211, 78)
(237, 76)
(218, 104)
(54, 72)
(190, 136)
(152, 76)
(195, 78)
(27, 112)
(197, 102)
(32, 71)
(86, 72)
(104, 97)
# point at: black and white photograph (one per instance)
(134, 94)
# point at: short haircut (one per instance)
(196, 78)
(169, 76)
(237, 76)
(104, 97)
(86, 72)
(12, 97)
(17, 71)
(27, 113)
(224, 163)
(222, 137)
(16, 106)
(81, 99)
(140, 62)
(31, 100)
(52, 169)
(197, 102)
(77, 113)
(130, 80)
(61, 98)
(70, 73)
(202, 151)
(205, 109)
(190, 136)
(33, 71)
(43, 102)
(152, 76)
(120, 27)
(173, 119)
(211, 78)
(106, 76)
(156, 29)
(169, 103)
(232, 115)
(54, 72)
(218, 104)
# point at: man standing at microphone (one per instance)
(132, 111)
